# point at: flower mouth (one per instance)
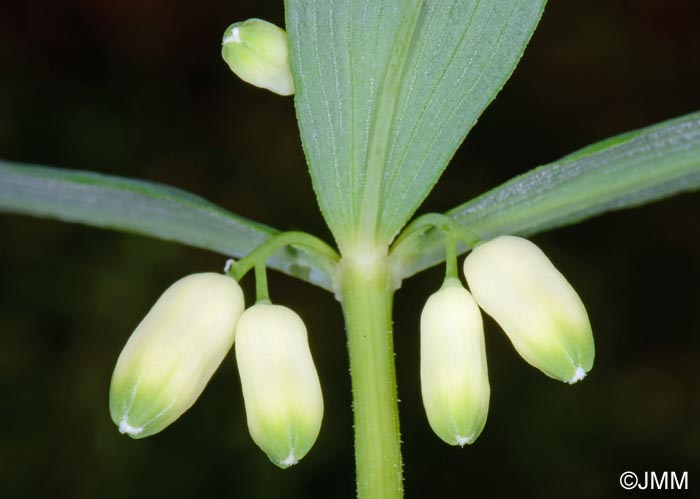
(579, 374)
(125, 427)
(462, 441)
(290, 460)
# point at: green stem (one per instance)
(450, 256)
(261, 293)
(260, 254)
(366, 292)
(445, 223)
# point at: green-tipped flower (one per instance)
(453, 372)
(517, 285)
(257, 52)
(283, 400)
(173, 352)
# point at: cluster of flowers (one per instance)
(183, 339)
(513, 281)
(178, 346)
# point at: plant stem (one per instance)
(366, 292)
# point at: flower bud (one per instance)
(517, 285)
(173, 353)
(281, 390)
(453, 372)
(257, 52)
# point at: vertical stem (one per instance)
(366, 293)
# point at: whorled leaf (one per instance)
(386, 92)
(625, 171)
(145, 208)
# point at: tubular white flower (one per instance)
(173, 353)
(282, 393)
(516, 284)
(454, 376)
(257, 51)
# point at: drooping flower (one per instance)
(257, 51)
(453, 372)
(515, 283)
(281, 389)
(173, 353)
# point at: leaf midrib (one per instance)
(382, 119)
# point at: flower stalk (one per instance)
(321, 252)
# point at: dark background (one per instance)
(137, 88)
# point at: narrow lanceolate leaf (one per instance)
(144, 208)
(386, 92)
(621, 172)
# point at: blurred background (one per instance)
(137, 88)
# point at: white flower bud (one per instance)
(453, 372)
(173, 353)
(517, 285)
(257, 51)
(281, 390)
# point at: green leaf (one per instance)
(621, 172)
(145, 208)
(386, 92)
